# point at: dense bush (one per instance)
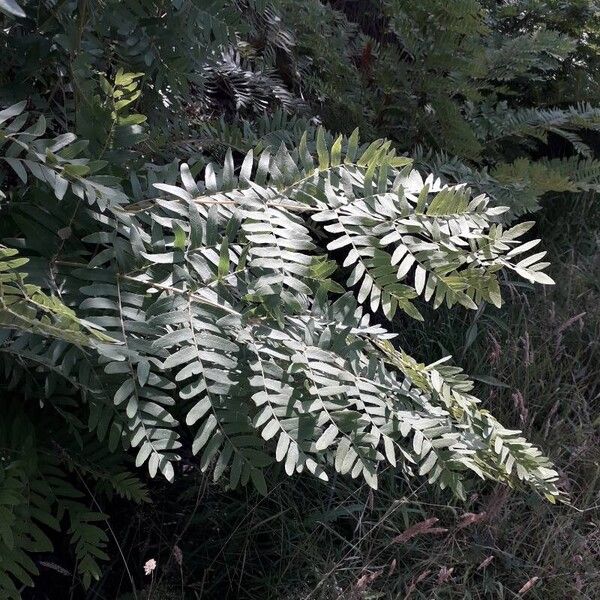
(205, 270)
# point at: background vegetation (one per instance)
(102, 100)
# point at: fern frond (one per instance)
(571, 174)
(223, 289)
(519, 185)
(219, 290)
(531, 54)
(501, 123)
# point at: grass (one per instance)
(538, 362)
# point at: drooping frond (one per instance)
(572, 174)
(217, 297)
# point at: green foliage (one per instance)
(502, 123)
(122, 130)
(39, 495)
(461, 78)
(53, 161)
(27, 308)
(194, 271)
(520, 184)
(231, 256)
